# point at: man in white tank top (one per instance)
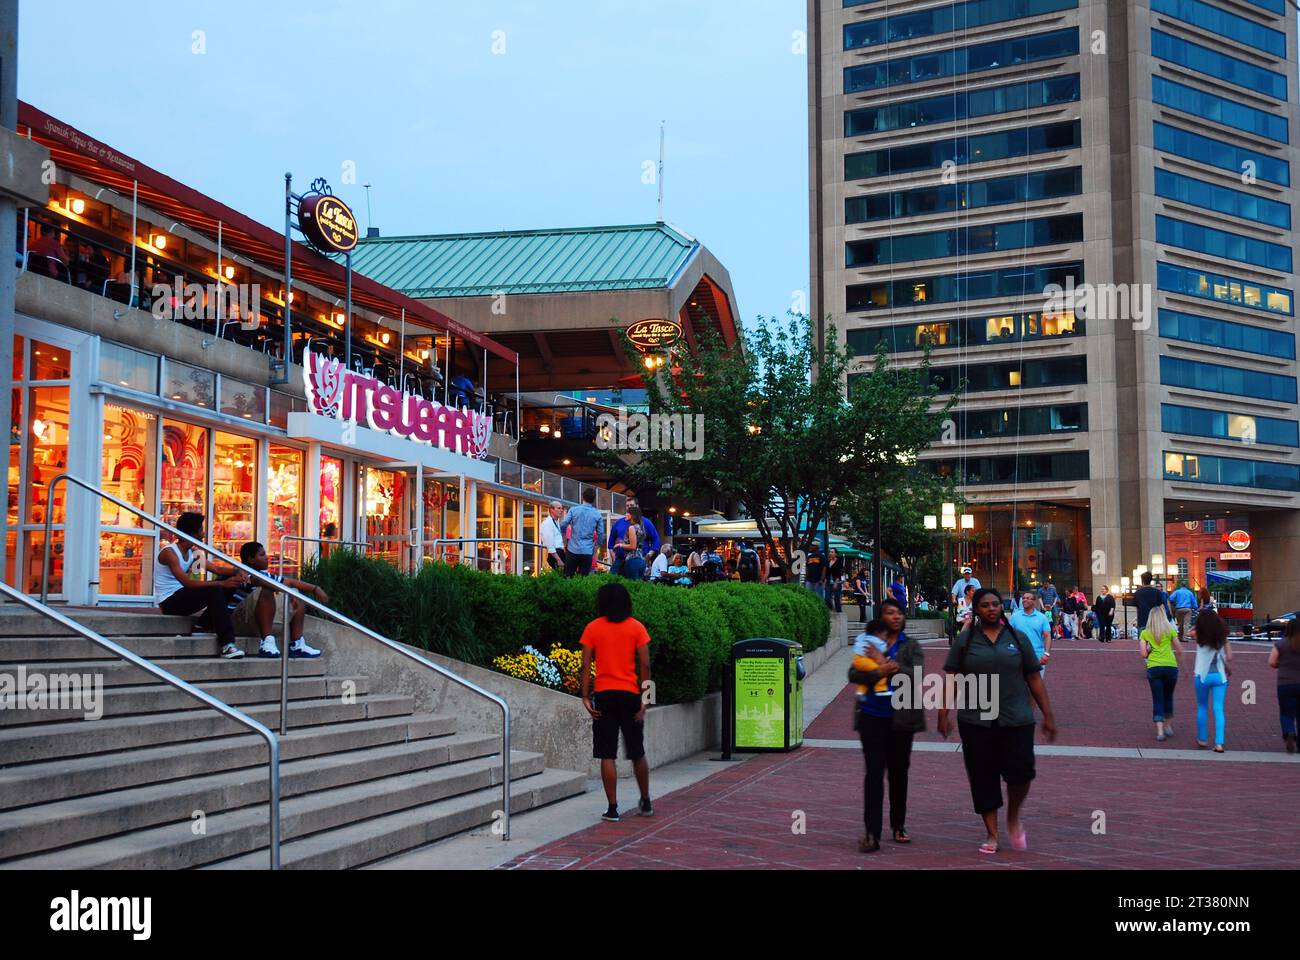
(178, 594)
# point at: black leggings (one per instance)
(885, 749)
(189, 600)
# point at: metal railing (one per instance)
(272, 743)
(264, 579)
(473, 542)
(319, 540)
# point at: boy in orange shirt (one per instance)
(621, 648)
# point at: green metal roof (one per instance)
(566, 260)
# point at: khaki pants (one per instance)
(1182, 616)
(245, 615)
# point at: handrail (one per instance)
(267, 580)
(273, 744)
(475, 541)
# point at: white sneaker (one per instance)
(231, 652)
(268, 648)
(299, 650)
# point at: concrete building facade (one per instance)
(1085, 210)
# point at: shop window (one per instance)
(385, 497)
(48, 363)
(284, 501)
(129, 452)
(505, 554)
(234, 486)
(436, 495)
(190, 385)
(243, 400)
(47, 450)
(184, 468)
(331, 499)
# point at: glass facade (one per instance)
(1012, 375)
(234, 493)
(956, 16)
(965, 241)
(1177, 325)
(1207, 106)
(980, 331)
(1214, 286)
(964, 149)
(127, 464)
(1223, 243)
(1221, 154)
(1021, 421)
(964, 60)
(954, 287)
(1218, 21)
(1230, 471)
(1166, 46)
(1211, 196)
(1196, 375)
(1017, 188)
(1221, 425)
(284, 490)
(1024, 468)
(962, 105)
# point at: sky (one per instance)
(463, 116)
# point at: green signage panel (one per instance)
(760, 702)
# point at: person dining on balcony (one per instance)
(44, 249)
(180, 594)
(462, 391)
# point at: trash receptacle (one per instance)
(766, 686)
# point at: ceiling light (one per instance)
(385, 337)
(546, 428)
(77, 206)
(159, 240)
(230, 273)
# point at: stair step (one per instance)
(198, 670)
(41, 649)
(47, 741)
(81, 819)
(232, 834)
(386, 836)
(107, 623)
(99, 773)
(158, 697)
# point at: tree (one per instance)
(778, 441)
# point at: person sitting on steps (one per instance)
(255, 609)
(179, 594)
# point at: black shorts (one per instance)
(996, 752)
(617, 708)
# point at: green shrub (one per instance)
(476, 616)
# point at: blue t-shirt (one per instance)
(1032, 626)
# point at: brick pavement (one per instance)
(1180, 814)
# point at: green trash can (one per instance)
(766, 686)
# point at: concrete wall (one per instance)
(544, 721)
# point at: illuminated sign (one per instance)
(654, 334)
(341, 394)
(328, 222)
(1234, 556)
(1238, 541)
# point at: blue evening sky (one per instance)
(453, 135)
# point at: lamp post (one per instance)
(1124, 583)
(948, 520)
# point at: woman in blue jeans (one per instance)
(1159, 645)
(631, 545)
(1213, 653)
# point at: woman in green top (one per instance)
(1161, 649)
(997, 738)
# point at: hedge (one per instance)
(476, 616)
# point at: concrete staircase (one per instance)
(161, 782)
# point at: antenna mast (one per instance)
(661, 171)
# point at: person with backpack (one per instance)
(1213, 653)
(747, 565)
(815, 570)
(997, 741)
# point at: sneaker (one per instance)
(231, 652)
(268, 648)
(1290, 742)
(645, 809)
(612, 814)
(299, 650)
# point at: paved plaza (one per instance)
(1107, 795)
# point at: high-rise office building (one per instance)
(970, 159)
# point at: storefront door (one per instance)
(387, 513)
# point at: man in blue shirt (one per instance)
(1184, 603)
(967, 580)
(649, 543)
(1034, 626)
(585, 521)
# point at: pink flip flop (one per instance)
(988, 848)
(1021, 842)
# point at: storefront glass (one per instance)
(127, 472)
(506, 531)
(384, 497)
(284, 500)
(331, 499)
(234, 481)
(532, 555)
(190, 385)
(15, 462)
(483, 529)
(184, 468)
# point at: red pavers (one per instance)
(1156, 814)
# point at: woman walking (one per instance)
(1160, 648)
(991, 656)
(1285, 659)
(886, 731)
(1213, 653)
(629, 547)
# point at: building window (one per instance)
(1207, 106)
(1223, 243)
(964, 60)
(1213, 286)
(957, 16)
(1221, 425)
(1222, 23)
(1024, 95)
(1195, 375)
(1211, 564)
(1233, 472)
(958, 287)
(1166, 46)
(1229, 334)
(1221, 154)
(981, 148)
(1183, 568)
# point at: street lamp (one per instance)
(1125, 583)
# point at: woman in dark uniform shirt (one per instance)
(998, 743)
